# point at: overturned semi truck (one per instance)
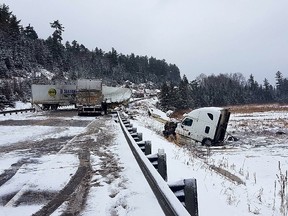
(205, 125)
(86, 95)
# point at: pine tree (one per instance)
(29, 32)
(4, 15)
(8, 22)
(59, 29)
(54, 43)
(112, 56)
(74, 76)
(279, 80)
(268, 91)
(164, 96)
(184, 100)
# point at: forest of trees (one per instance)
(22, 54)
(222, 90)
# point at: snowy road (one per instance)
(63, 164)
(43, 153)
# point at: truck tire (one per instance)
(54, 106)
(46, 107)
(207, 142)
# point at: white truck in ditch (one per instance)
(206, 125)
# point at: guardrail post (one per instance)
(153, 160)
(159, 162)
(140, 136)
(148, 147)
(125, 121)
(191, 198)
(145, 146)
(137, 136)
(186, 192)
(132, 130)
(128, 124)
(162, 165)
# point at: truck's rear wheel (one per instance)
(207, 142)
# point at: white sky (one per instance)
(204, 36)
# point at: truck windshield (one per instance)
(187, 122)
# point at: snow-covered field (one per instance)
(258, 158)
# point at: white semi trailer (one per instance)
(53, 96)
(86, 95)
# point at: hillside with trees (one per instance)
(222, 90)
(23, 54)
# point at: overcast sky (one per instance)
(203, 36)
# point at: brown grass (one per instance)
(257, 108)
(240, 109)
(178, 114)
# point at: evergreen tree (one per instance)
(54, 43)
(75, 46)
(196, 95)
(184, 100)
(113, 57)
(5, 15)
(14, 26)
(29, 32)
(279, 83)
(74, 76)
(8, 22)
(164, 96)
(268, 91)
(59, 29)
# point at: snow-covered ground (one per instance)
(259, 159)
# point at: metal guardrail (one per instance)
(169, 203)
(17, 111)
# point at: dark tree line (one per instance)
(23, 54)
(222, 90)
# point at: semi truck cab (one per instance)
(206, 125)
